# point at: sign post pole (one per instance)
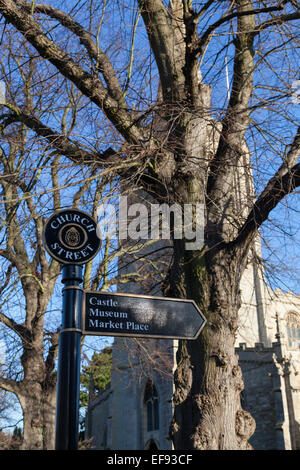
(67, 408)
(70, 237)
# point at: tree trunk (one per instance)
(208, 379)
(38, 419)
(37, 390)
(38, 405)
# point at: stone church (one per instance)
(135, 410)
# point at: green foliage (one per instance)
(96, 375)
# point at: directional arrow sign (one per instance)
(111, 314)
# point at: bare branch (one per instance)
(236, 119)
(9, 385)
(200, 46)
(103, 63)
(277, 188)
(52, 352)
(58, 141)
(21, 330)
(162, 34)
(279, 19)
(291, 158)
(88, 84)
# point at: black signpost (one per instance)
(70, 237)
(68, 374)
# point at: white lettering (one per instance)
(166, 222)
(138, 227)
(95, 312)
(76, 218)
(131, 325)
(61, 219)
(106, 226)
(108, 302)
(53, 225)
(95, 323)
(123, 218)
(165, 212)
(194, 226)
(60, 250)
(128, 461)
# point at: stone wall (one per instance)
(259, 396)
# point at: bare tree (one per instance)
(187, 144)
(36, 181)
(32, 182)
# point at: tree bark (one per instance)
(38, 408)
(208, 379)
(37, 390)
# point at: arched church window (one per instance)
(151, 445)
(152, 406)
(293, 330)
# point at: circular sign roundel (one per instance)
(70, 237)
